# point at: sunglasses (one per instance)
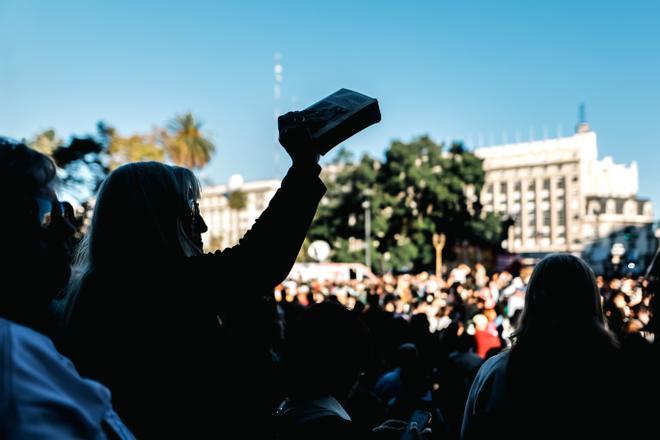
(193, 204)
(48, 208)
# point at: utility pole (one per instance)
(367, 233)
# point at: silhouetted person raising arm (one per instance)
(145, 316)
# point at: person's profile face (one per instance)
(197, 225)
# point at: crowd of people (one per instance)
(478, 302)
(454, 323)
(148, 337)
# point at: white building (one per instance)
(226, 225)
(560, 194)
(562, 197)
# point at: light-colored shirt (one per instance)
(42, 396)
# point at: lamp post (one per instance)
(367, 233)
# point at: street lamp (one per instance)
(366, 205)
(367, 233)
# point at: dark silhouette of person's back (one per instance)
(561, 378)
(327, 350)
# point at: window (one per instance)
(561, 218)
(619, 206)
(503, 188)
(546, 183)
(531, 186)
(546, 218)
(518, 186)
(561, 183)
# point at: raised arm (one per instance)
(265, 255)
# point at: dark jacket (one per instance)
(152, 332)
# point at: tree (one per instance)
(45, 142)
(133, 148)
(237, 200)
(185, 144)
(83, 164)
(418, 190)
(340, 216)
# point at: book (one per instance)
(335, 118)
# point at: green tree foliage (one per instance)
(45, 142)
(237, 200)
(85, 161)
(83, 164)
(185, 143)
(420, 188)
(133, 148)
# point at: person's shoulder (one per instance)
(496, 364)
(45, 389)
(392, 375)
(15, 336)
(491, 371)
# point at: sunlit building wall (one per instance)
(560, 194)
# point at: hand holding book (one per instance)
(325, 124)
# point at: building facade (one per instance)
(227, 224)
(559, 194)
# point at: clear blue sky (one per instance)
(452, 69)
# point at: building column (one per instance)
(523, 212)
(553, 210)
(568, 211)
(538, 189)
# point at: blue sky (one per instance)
(453, 69)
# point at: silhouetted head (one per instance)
(408, 356)
(562, 300)
(35, 238)
(329, 348)
(144, 211)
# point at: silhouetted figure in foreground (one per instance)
(559, 380)
(328, 350)
(41, 394)
(147, 315)
(35, 238)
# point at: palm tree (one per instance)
(185, 143)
